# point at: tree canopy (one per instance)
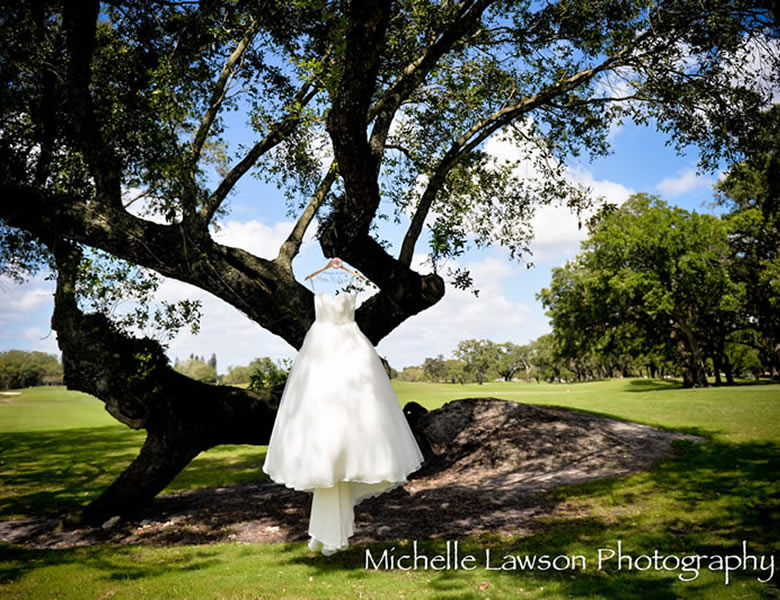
(114, 150)
(20, 369)
(656, 281)
(751, 190)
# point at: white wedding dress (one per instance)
(339, 432)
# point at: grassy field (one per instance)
(58, 449)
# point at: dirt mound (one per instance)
(534, 447)
(488, 462)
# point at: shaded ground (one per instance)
(489, 463)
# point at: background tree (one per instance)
(411, 373)
(546, 366)
(455, 370)
(434, 368)
(265, 374)
(112, 114)
(237, 375)
(19, 369)
(647, 268)
(751, 190)
(479, 357)
(511, 358)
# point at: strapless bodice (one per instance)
(334, 309)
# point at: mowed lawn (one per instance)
(58, 449)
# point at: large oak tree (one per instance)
(106, 102)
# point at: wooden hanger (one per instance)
(335, 263)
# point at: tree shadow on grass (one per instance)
(657, 385)
(706, 500)
(720, 489)
(653, 385)
(49, 473)
(566, 538)
(120, 564)
(221, 466)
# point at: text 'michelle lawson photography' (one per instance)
(612, 558)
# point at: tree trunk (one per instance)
(722, 363)
(132, 377)
(693, 360)
(775, 367)
(729, 371)
(717, 368)
(162, 458)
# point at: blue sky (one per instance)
(505, 310)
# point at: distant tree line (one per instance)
(20, 369)
(542, 360)
(484, 360)
(265, 373)
(260, 373)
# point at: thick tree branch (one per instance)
(264, 290)
(384, 110)
(365, 39)
(346, 232)
(404, 293)
(80, 20)
(132, 377)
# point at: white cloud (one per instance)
(31, 339)
(556, 229)
(254, 236)
(46, 340)
(25, 311)
(556, 233)
(225, 330)
(618, 83)
(685, 181)
(17, 301)
(610, 191)
(139, 204)
(503, 148)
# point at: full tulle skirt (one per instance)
(339, 431)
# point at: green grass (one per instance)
(49, 409)
(58, 449)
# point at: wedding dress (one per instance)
(339, 432)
